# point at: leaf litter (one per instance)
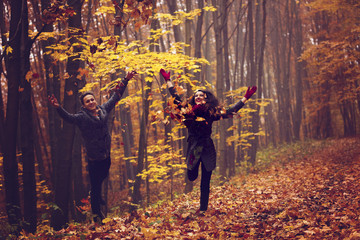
(312, 198)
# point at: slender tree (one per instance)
(299, 68)
(60, 216)
(220, 84)
(143, 129)
(12, 61)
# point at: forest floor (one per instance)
(315, 197)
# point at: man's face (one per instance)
(89, 103)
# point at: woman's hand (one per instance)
(53, 101)
(250, 92)
(166, 75)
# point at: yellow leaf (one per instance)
(28, 76)
(210, 8)
(9, 50)
(199, 119)
(106, 220)
(233, 127)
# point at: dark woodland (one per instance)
(286, 162)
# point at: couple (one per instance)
(92, 122)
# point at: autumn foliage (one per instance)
(303, 56)
(307, 193)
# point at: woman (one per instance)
(198, 120)
(92, 121)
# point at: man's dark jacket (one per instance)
(94, 129)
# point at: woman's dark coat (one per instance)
(199, 125)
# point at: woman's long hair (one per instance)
(212, 104)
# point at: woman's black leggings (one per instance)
(205, 183)
(98, 171)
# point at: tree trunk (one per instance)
(53, 87)
(230, 153)
(27, 133)
(206, 51)
(286, 64)
(2, 111)
(143, 130)
(60, 216)
(79, 190)
(198, 39)
(172, 5)
(220, 88)
(125, 117)
(298, 70)
(261, 35)
(12, 63)
(252, 74)
(40, 141)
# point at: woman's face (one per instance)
(90, 103)
(200, 97)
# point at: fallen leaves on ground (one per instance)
(313, 198)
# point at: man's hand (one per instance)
(53, 101)
(130, 75)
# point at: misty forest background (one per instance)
(302, 55)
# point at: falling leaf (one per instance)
(9, 50)
(28, 76)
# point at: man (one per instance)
(92, 121)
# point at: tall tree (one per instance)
(60, 216)
(12, 61)
(299, 68)
(144, 126)
(26, 127)
(125, 116)
(220, 84)
(53, 87)
(172, 5)
(198, 37)
(2, 111)
(332, 59)
(230, 153)
(188, 39)
(260, 49)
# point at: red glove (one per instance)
(165, 74)
(250, 92)
(198, 109)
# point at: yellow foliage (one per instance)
(105, 10)
(28, 76)
(180, 16)
(9, 50)
(89, 87)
